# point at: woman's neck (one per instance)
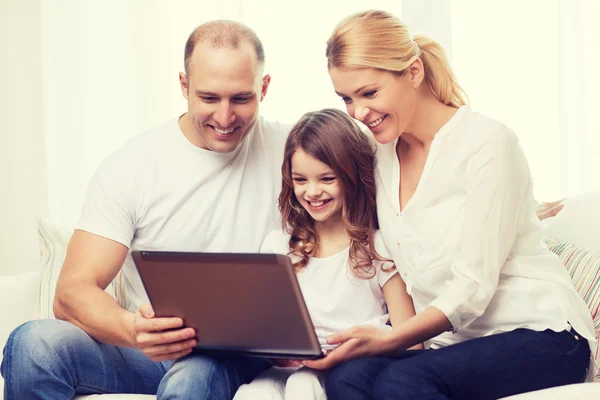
(332, 236)
(429, 117)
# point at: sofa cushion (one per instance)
(53, 248)
(578, 221)
(584, 267)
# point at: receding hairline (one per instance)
(223, 33)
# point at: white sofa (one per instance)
(578, 223)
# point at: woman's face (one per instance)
(385, 102)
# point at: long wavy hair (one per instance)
(333, 138)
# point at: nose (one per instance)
(313, 190)
(224, 114)
(361, 113)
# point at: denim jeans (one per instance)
(485, 368)
(52, 359)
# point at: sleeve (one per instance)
(276, 242)
(109, 209)
(381, 248)
(497, 185)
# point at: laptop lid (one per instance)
(239, 304)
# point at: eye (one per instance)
(209, 99)
(240, 100)
(347, 100)
(371, 94)
(328, 179)
(299, 180)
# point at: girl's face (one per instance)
(385, 102)
(316, 187)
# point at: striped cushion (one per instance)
(53, 248)
(584, 267)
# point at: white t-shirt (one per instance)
(160, 192)
(335, 298)
(469, 243)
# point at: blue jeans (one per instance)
(485, 368)
(52, 359)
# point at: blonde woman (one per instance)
(456, 211)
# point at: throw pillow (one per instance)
(584, 267)
(53, 248)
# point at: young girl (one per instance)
(327, 205)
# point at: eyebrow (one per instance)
(212, 94)
(357, 91)
(321, 175)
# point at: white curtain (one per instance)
(79, 78)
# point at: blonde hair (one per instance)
(377, 39)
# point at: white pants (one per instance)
(284, 384)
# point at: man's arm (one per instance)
(91, 264)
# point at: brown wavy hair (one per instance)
(333, 138)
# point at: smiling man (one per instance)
(206, 181)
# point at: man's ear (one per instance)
(183, 84)
(265, 86)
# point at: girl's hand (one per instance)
(285, 363)
(358, 341)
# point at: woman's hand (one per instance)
(358, 341)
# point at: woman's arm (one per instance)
(498, 199)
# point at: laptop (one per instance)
(239, 304)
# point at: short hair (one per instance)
(223, 33)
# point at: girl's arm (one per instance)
(399, 303)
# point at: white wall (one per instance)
(22, 155)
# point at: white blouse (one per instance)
(469, 243)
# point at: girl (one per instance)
(456, 210)
(327, 206)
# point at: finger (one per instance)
(146, 310)
(555, 210)
(340, 337)
(326, 362)
(170, 348)
(158, 338)
(171, 356)
(158, 324)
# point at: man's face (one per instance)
(223, 89)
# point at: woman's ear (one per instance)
(416, 72)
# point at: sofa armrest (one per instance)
(19, 301)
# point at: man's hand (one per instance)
(550, 209)
(159, 338)
(358, 341)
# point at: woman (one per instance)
(456, 211)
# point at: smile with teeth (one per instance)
(223, 131)
(376, 122)
(317, 204)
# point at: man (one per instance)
(207, 181)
